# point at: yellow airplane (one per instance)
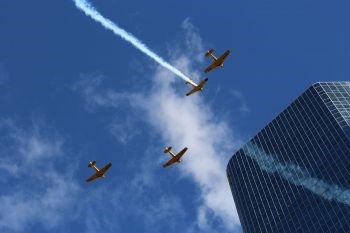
(175, 158)
(196, 87)
(217, 61)
(99, 173)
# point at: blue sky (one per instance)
(72, 91)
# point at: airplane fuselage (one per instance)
(175, 157)
(172, 154)
(218, 62)
(215, 59)
(102, 175)
(196, 87)
(212, 55)
(96, 169)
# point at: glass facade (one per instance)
(294, 175)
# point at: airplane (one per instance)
(217, 61)
(175, 158)
(196, 87)
(99, 173)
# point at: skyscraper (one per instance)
(294, 175)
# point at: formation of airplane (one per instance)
(175, 158)
(196, 87)
(218, 62)
(98, 173)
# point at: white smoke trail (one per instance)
(297, 175)
(108, 24)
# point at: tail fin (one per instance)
(209, 52)
(167, 149)
(91, 163)
(190, 82)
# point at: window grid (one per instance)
(312, 134)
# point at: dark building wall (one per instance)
(294, 175)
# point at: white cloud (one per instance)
(89, 86)
(103, 208)
(190, 122)
(193, 40)
(37, 191)
(124, 130)
(25, 208)
(243, 108)
(34, 146)
(185, 121)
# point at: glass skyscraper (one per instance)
(294, 175)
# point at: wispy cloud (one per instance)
(34, 145)
(184, 121)
(94, 96)
(103, 209)
(243, 108)
(37, 191)
(193, 40)
(190, 122)
(124, 130)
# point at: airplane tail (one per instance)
(91, 163)
(209, 52)
(167, 149)
(189, 81)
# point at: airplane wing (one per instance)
(91, 178)
(171, 161)
(99, 173)
(212, 66)
(223, 57)
(218, 62)
(176, 158)
(181, 153)
(103, 170)
(197, 87)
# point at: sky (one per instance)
(72, 91)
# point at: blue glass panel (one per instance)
(294, 175)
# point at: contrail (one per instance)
(108, 24)
(297, 175)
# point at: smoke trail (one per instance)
(94, 14)
(297, 175)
